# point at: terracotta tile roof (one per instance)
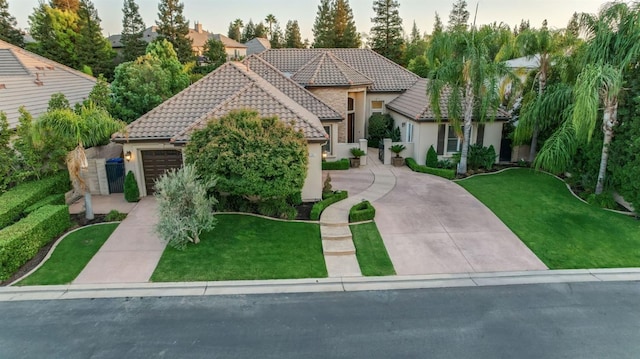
(386, 75)
(326, 70)
(292, 89)
(415, 104)
(29, 80)
(230, 87)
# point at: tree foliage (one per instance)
(334, 26)
(214, 55)
(174, 27)
(459, 16)
(386, 35)
(292, 37)
(8, 26)
(235, 30)
(133, 28)
(184, 208)
(56, 34)
(93, 49)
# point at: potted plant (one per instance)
(397, 161)
(355, 160)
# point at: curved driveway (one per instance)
(430, 225)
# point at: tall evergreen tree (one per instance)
(415, 34)
(459, 16)
(261, 30)
(8, 30)
(277, 38)
(67, 5)
(132, 31)
(235, 30)
(344, 27)
(385, 36)
(173, 26)
(322, 26)
(249, 31)
(92, 48)
(56, 34)
(438, 28)
(573, 27)
(292, 36)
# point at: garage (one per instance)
(156, 162)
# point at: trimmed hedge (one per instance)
(17, 199)
(441, 172)
(21, 241)
(363, 211)
(54, 199)
(342, 164)
(329, 200)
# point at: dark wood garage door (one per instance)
(155, 163)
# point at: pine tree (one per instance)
(235, 30)
(56, 34)
(322, 27)
(249, 31)
(92, 48)
(292, 36)
(261, 30)
(573, 27)
(459, 16)
(344, 26)
(385, 36)
(8, 30)
(67, 5)
(415, 33)
(277, 38)
(173, 26)
(438, 28)
(132, 31)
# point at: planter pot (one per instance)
(355, 162)
(397, 161)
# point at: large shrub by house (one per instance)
(262, 161)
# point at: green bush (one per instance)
(481, 157)
(379, 126)
(54, 199)
(317, 209)
(444, 173)
(21, 241)
(17, 199)
(357, 152)
(115, 216)
(277, 208)
(604, 200)
(432, 158)
(342, 164)
(131, 190)
(363, 211)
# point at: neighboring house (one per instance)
(327, 93)
(257, 45)
(198, 36)
(29, 80)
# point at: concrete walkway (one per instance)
(131, 253)
(103, 204)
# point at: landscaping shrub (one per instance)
(363, 211)
(479, 156)
(342, 164)
(604, 200)
(379, 126)
(317, 209)
(131, 190)
(441, 172)
(21, 241)
(54, 199)
(432, 158)
(277, 208)
(17, 199)
(115, 216)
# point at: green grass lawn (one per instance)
(247, 247)
(561, 230)
(370, 250)
(71, 256)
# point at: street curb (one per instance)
(343, 284)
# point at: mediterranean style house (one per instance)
(329, 94)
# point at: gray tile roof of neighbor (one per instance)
(29, 80)
(227, 41)
(386, 75)
(415, 104)
(257, 45)
(233, 86)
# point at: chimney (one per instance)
(198, 27)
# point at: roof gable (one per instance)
(327, 70)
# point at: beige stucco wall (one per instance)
(377, 96)
(135, 165)
(312, 189)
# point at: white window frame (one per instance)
(328, 145)
(409, 134)
(450, 131)
(377, 110)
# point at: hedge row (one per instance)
(21, 241)
(448, 174)
(363, 211)
(342, 164)
(54, 199)
(320, 206)
(17, 199)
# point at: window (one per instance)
(409, 137)
(377, 107)
(453, 141)
(327, 147)
(351, 121)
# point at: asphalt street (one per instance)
(579, 320)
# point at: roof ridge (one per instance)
(395, 64)
(339, 62)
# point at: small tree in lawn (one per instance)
(185, 210)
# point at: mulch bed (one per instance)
(304, 211)
(77, 221)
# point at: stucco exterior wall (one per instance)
(135, 165)
(312, 189)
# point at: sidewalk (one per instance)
(131, 253)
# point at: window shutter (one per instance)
(441, 129)
(480, 136)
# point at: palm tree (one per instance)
(270, 19)
(92, 126)
(613, 43)
(462, 67)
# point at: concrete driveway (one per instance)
(430, 225)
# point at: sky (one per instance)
(215, 15)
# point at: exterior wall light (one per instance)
(127, 156)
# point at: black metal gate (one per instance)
(115, 175)
(381, 151)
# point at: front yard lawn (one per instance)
(561, 230)
(71, 256)
(247, 247)
(370, 250)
